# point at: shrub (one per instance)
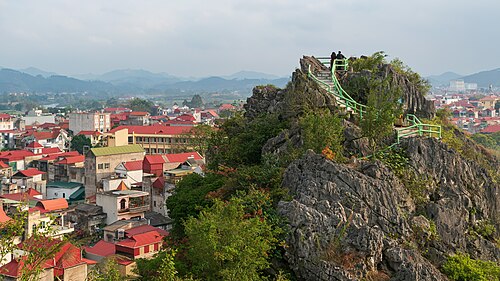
(461, 267)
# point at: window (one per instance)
(146, 249)
(64, 195)
(154, 203)
(106, 165)
(100, 166)
(122, 204)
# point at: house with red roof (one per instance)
(17, 159)
(130, 172)
(49, 216)
(67, 263)
(6, 122)
(491, 129)
(70, 168)
(155, 139)
(135, 242)
(5, 170)
(95, 137)
(31, 178)
(53, 138)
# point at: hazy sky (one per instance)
(220, 37)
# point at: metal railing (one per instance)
(339, 92)
(416, 127)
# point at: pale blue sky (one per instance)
(220, 37)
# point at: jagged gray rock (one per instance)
(349, 222)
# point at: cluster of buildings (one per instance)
(115, 192)
(472, 115)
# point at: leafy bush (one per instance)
(321, 129)
(230, 240)
(461, 267)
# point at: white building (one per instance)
(457, 85)
(123, 204)
(90, 121)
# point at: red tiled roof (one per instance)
(55, 156)
(71, 160)
(141, 239)
(139, 113)
(15, 155)
(120, 116)
(155, 159)
(51, 150)
(185, 117)
(226, 106)
(90, 133)
(143, 229)
(34, 144)
(19, 197)
(182, 157)
(32, 192)
(3, 216)
(491, 129)
(31, 172)
(53, 204)
(133, 165)
(68, 256)
(48, 125)
(102, 249)
(154, 129)
(5, 116)
(159, 183)
(3, 165)
(89, 262)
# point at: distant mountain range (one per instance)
(483, 79)
(129, 81)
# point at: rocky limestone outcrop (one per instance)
(359, 220)
(414, 101)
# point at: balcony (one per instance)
(134, 209)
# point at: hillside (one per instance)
(484, 78)
(345, 198)
(126, 81)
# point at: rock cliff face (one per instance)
(365, 220)
(349, 222)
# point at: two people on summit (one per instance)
(334, 57)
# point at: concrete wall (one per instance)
(76, 273)
(51, 192)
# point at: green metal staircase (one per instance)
(328, 81)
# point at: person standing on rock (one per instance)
(339, 56)
(333, 56)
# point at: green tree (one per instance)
(78, 142)
(189, 196)
(227, 243)
(199, 138)
(321, 129)
(138, 104)
(381, 112)
(160, 268)
(107, 271)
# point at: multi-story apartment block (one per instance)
(123, 204)
(155, 139)
(101, 162)
(90, 121)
